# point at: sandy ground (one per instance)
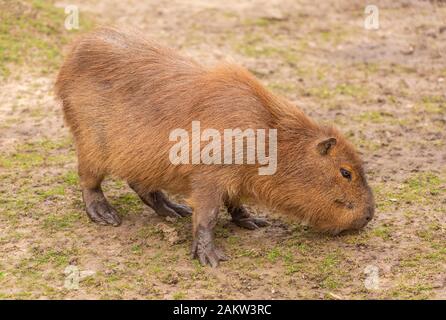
(384, 88)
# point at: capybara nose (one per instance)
(369, 212)
(366, 217)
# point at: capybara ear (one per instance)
(324, 146)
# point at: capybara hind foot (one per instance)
(242, 218)
(158, 201)
(98, 209)
(204, 250)
(251, 223)
(181, 209)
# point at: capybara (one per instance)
(123, 95)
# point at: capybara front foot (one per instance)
(99, 210)
(204, 250)
(103, 214)
(242, 218)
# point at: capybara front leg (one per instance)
(97, 207)
(204, 220)
(159, 202)
(242, 218)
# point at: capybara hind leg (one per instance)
(181, 209)
(204, 220)
(97, 207)
(159, 202)
(242, 218)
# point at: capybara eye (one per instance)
(346, 174)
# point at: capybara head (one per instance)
(324, 180)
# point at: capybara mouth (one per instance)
(352, 231)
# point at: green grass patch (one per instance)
(128, 202)
(57, 222)
(375, 117)
(257, 46)
(33, 32)
(382, 232)
(71, 178)
(416, 291)
(423, 188)
(273, 255)
(22, 160)
(344, 89)
(51, 192)
(38, 153)
(329, 271)
(368, 144)
(259, 22)
(283, 87)
(333, 36)
(432, 104)
(180, 295)
(41, 259)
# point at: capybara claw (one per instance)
(173, 210)
(211, 257)
(102, 213)
(162, 206)
(165, 211)
(251, 223)
(207, 253)
(180, 209)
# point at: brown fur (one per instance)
(122, 95)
